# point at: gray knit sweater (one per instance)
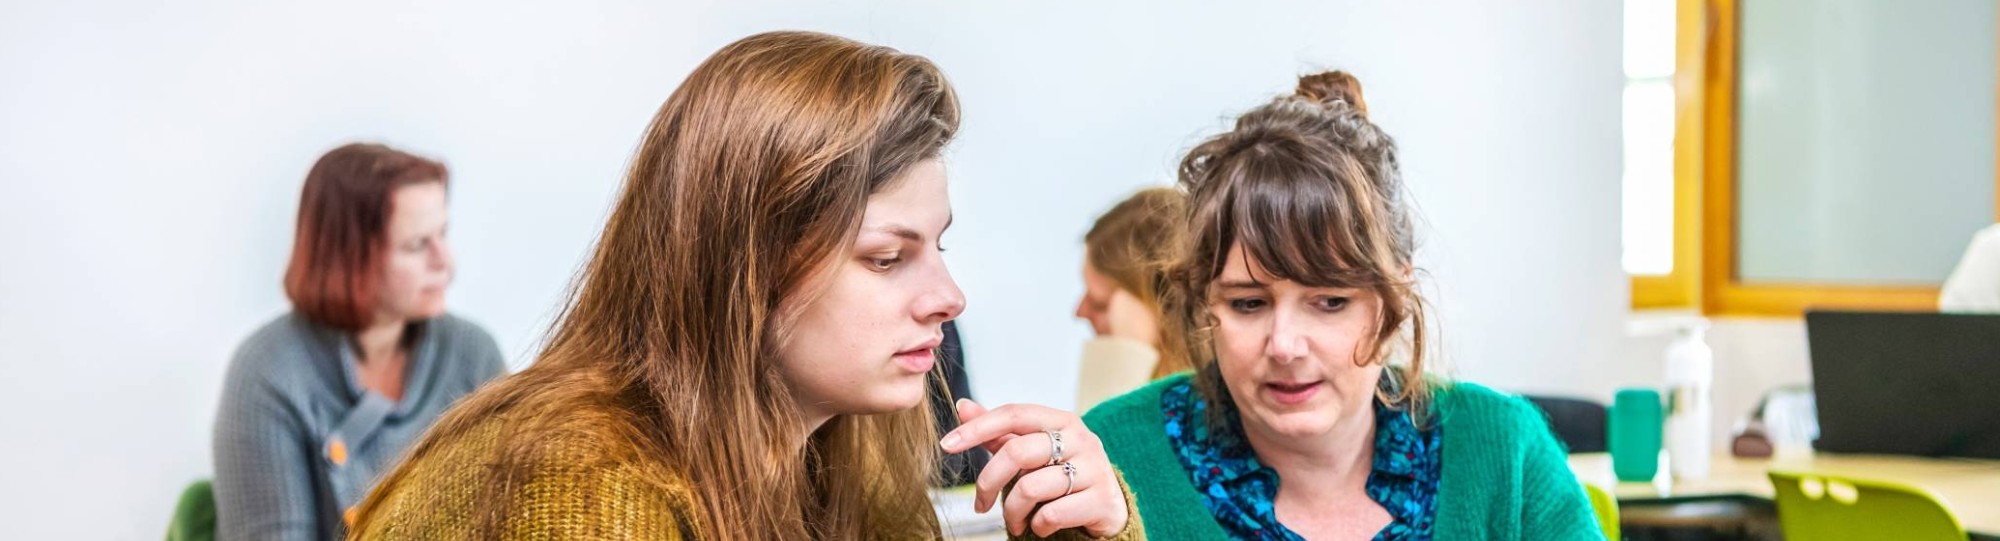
(297, 438)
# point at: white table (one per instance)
(1969, 488)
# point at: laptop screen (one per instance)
(1924, 384)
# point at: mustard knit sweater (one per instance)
(581, 482)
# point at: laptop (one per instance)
(1907, 383)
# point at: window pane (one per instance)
(1649, 178)
(1865, 139)
(1649, 38)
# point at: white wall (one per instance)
(150, 158)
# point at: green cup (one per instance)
(1634, 433)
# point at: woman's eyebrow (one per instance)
(901, 231)
(1240, 284)
(907, 232)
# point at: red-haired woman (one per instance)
(320, 401)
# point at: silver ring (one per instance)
(1055, 448)
(1069, 470)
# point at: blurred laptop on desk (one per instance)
(1906, 383)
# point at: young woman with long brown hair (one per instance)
(745, 354)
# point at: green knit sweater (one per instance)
(1504, 475)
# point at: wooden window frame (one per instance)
(1705, 160)
(1681, 288)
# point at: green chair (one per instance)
(194, 516)
(1813, 507)
(1607, 510)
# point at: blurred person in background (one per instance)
(321, 401)
(1123, 272)
(1974, 286)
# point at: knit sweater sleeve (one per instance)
(1554, 505)
(263, 451)
(1133, 429)
(598, 503)
(564, 487)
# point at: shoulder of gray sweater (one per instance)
(457, 330)
(469, 339)
(273, 352)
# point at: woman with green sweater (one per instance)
(1309, 414)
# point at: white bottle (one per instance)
(1690, 378)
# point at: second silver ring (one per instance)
(1069, 471)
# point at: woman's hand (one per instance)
(1075, 490)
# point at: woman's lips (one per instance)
(1290, 393)
(916, 360)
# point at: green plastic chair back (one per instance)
(194, 516)
(1813, 507)
(1607, 510)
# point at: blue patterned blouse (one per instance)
(1240, 490)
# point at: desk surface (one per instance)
(1969, 488)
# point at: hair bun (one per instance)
(1331, 86)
